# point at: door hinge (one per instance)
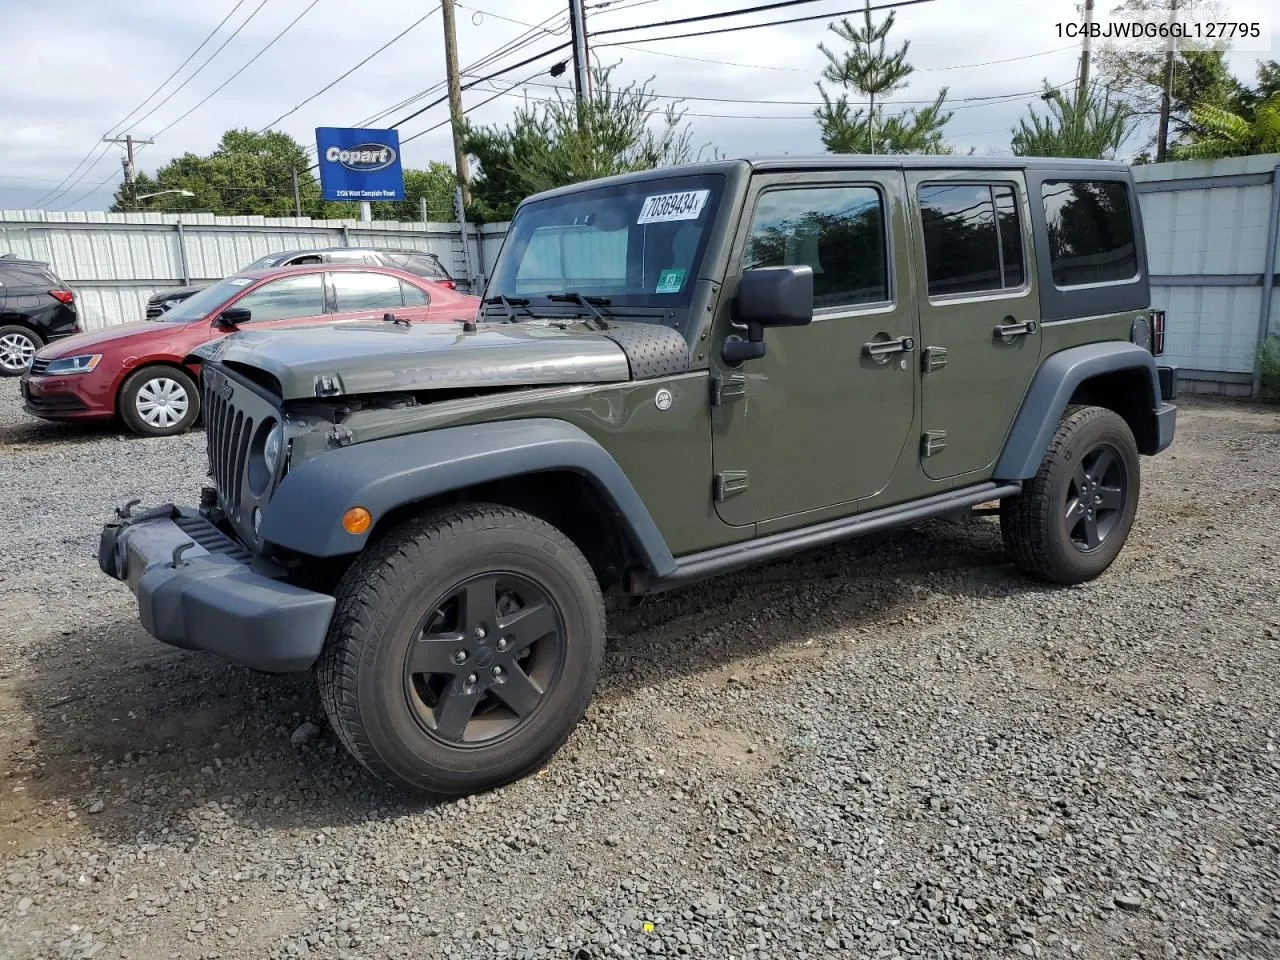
(728, 483)
(933, 358)
(727, 386)
(933, 441)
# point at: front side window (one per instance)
(1090, 232)
(635, 244)
(838, 231)
(283, 299)
(972, 238)
(354, 292)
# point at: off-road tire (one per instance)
(16, 334)
(382, 599)
(1035, 523)
(127, 405)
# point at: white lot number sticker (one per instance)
(673, 206)
(240, 281)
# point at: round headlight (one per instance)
(271, 448)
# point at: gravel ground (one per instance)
(898, 748)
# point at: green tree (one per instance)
(436, 183)
(1138, 77)
(555, 143)
(1228, 134)
(1092, 127)
(248, 174)
(870, 68)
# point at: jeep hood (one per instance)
(381, 357)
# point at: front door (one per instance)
(979, 315)
(821, 420)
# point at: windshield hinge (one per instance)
(729, 483)
(727, 386)
(327, 386)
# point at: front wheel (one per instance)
(1071, 520)
(159, 402)
(465, 648)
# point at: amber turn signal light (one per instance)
(357, 520)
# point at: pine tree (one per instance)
(870, 68)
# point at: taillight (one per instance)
(1157, 332)
(64, 296)
(449, 283)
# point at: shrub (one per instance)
(1269, 367)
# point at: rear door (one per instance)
(979, 314)
(358, 295)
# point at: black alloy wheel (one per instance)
(482, 660)
(1096, 498)
(1072, 518)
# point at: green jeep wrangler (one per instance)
(674, 374)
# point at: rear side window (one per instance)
(972, 238)
(838, 231)
(366, 291)
(1090, 232)
(413, 297)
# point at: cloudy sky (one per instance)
(74, 69)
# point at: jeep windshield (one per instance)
(636, 245)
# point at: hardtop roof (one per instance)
(835, 162)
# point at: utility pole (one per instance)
(130, 171)
(455, 98)
(1166, 97)
(581, 62)
(297, 197)
(1086, 51)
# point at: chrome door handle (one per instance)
(880, 350)
(1007, 331)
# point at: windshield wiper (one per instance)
(589, 302)
(509, 304)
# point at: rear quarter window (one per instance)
(1090, 232)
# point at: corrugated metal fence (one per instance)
(115, 261)
(1212, 230)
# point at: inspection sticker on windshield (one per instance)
(670, 281)
(240, 281)
(673, 206)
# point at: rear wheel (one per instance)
(1071, 520)
(159, 402)
(18, 347)
(465, 647)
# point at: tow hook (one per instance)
(125, 512)
(178, 551)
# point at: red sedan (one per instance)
(138, 371)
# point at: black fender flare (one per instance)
(1051, 389)
(306, 510)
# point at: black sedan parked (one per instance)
(35, 307)
(417, 262)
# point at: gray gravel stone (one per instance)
(895, 748)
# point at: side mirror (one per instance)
(769, 297)
(232, 317)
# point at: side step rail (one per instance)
(709, 563)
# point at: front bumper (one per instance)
(200, 590)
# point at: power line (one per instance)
(344, 76)
(106, 133)
(247, 64)
(741, 11)
(757, 26)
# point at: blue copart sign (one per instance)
(359, 164)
